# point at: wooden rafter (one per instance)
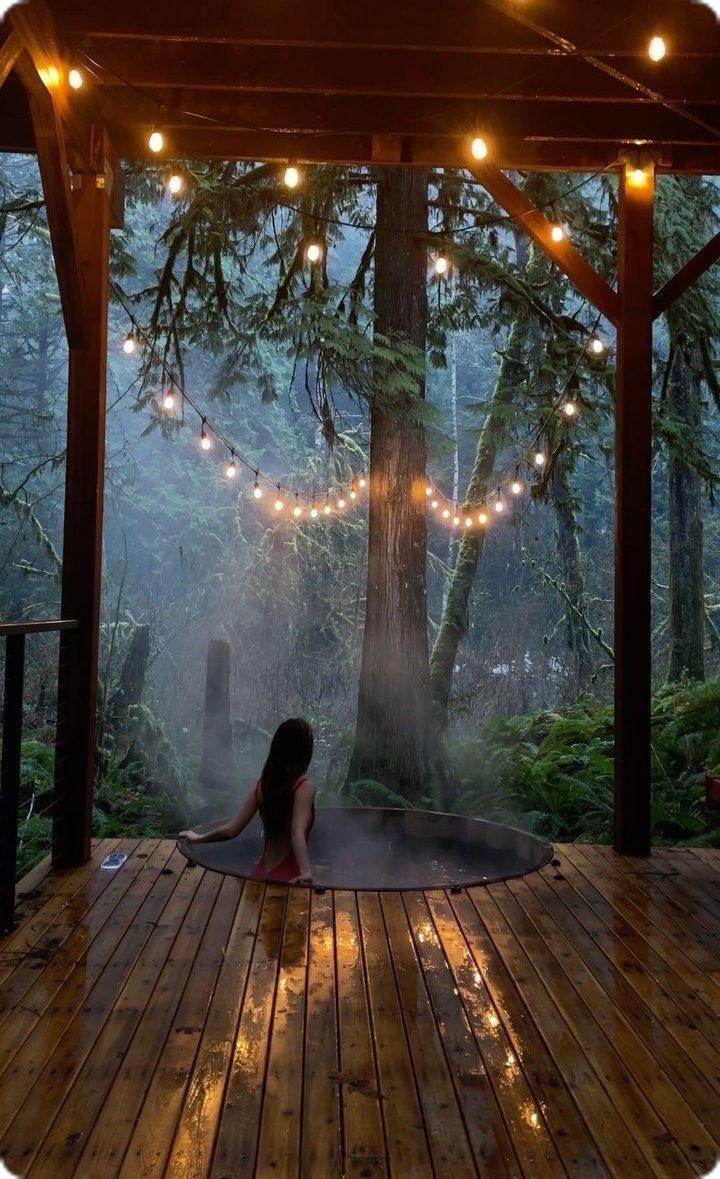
(9, 53)
(571, 262)
(55, 175)
(686, 276)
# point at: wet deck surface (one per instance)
(168, 1021)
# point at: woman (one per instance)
(285, 799)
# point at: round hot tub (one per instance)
(373, 848)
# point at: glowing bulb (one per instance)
(314, 252)
(205, 441)
(468, 521)
(479, 148)
(75, 78)
(557, 233)
(297, 511)
(445, 514)
(428, 490)
(499, 505)
(257, 492)
(175, 184)
(341, 503)
(327, 509)
(483, 518)
(231, 470)
(291, 177)
(279, 505)
(313, 513)
(156, 141)
(129, 343)
(637, 177)
(362, 482)
(657, 49)
(569, 409)
(168, 400)
(539, 459)
(353, 494)
(441, 264)
(516, 487)
(434, 504)
(456, 520)
(597, 346)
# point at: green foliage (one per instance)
(552, 772)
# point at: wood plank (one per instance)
(63, 1144)
(487, 1131)
(618, 1148)
(237, 1138)
(10, 50)
(322, 1132)
(678, 1117)
(447, 1134)
(364, 1152)
(407, 1145)
(525, 1075)
(279, 1145)
(54, 1053)
(688, 274)
(152, 1137)
(192, 1149)
(101, 1150)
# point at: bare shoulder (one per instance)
(306, 789)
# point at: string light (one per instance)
(175, 184)
(205, 442)
(539, 459)
(657, 49)
(479, 148)
(557, 233)
(597, 346)
(129, 343)
(257, 489)
(569, 409)
(499, 506)
(441, 264)
(428, 490)
(516, 487)
(314, 512)
(314, 252)
(327, 509)
(231, 470)
(362, 481)
(434, 504)
(75, 78)
(341, 503)
(483, 518)
(445, 514)
(456, 520)
(169, 400)
(156, 141)
(297, 510)
(279, 505)
(468, 521)
(291, 179)
(637, 177)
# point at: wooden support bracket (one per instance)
(686, 276)
(9, 53)
(581, 273)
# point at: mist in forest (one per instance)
(194, 564)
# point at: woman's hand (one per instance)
(303, 878)
(189, 836)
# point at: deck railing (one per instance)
(14, 634)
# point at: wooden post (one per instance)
(10, 776)
(633, 439)
(82, 543)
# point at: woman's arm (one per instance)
(302, 810)
(230, 828)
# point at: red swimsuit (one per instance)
(288, 868)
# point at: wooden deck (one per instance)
(166, 1021)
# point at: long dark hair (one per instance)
(290, 754)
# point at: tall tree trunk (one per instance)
(568, 544)
(454, 621)
(687, 578)
(395, 741)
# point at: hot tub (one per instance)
(374, 848)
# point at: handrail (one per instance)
(37, 625)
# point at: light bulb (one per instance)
(231, 470)
(468, 521)
(362, 482)
(483, 518)
(479, 148)
(499, 506)
(75, 78)
(569, 409)
(516, 487)
(156, 141)
(557, 233)
(327, 509)
(314, 252)
(597, 346)
(637, 177)
(539, 459)
(434, 504)
(168, 400)
(129, 343)
(353, 494)
(257, 492)
(175, 184)
(341, 503)
(279, 505)
(205, 442)
(441, 264)
(657, 49)
(291, 177)
(297, 511)
(456, 520)
(428, 490)
(313, 513)
(445, 514)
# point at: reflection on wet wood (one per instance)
(166, 1022)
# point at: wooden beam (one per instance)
(82, 540)
(686, 276)
(9, 52)
(536, 224)
(55, 175)
(633, 450)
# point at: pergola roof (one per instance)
(549, 83)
